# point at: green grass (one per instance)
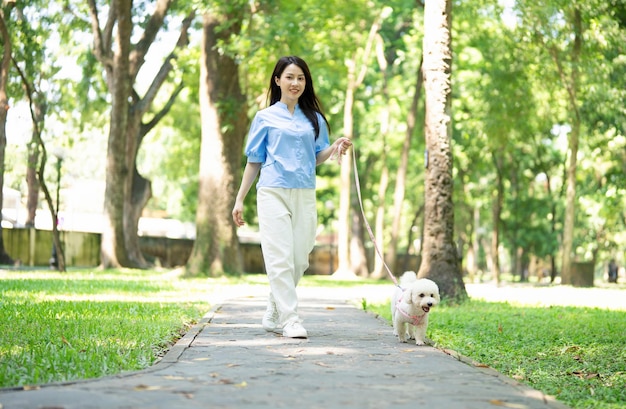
(577, 355)
(84, 324)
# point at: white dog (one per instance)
(410, 305)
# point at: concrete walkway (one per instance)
(351, 360)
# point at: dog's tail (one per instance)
(408, 277)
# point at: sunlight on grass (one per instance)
(83, 324)
(87, 323)
(574, 354)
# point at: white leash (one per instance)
(369, 229)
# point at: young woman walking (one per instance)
(285, 143)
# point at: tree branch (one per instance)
(145, 128)
(100, 47)
(167, 66)
(137, 56)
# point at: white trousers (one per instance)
(287, 224)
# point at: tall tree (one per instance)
(127, 191)
(36, 67)
(401, 174)
(351, 251)
(558, 29)
(32, 94)
(224, 123)
(5, 65)
(570, 81)
(440, 260)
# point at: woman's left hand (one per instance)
(342, 145)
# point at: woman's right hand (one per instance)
(238, 214)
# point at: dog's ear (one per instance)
(409, 296)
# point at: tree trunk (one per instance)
(400, 188)
(40, 109)
(571, 85)
(224, 123)
(416, 216)
(358, 256)
(127, 192)
(343, 216)
(474, 249)
(440, 260)
(5, 63)
(379, 269)
(350, 248)
(114, 252)
(31, 181)
(553, 220)
(496, 215)
(570, 207)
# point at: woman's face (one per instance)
(291, 83)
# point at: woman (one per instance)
(285, 143)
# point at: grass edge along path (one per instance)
(86, 323)
(577, 355)
(54, 326)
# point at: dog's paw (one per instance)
(419, 342)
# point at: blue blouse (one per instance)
(285, 145)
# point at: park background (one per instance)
(537, 127)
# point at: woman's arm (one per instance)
(250, 173)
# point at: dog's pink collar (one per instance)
(415, 320)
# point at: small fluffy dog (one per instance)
(410, 305)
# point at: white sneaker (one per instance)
(270, 319)
(294, 329)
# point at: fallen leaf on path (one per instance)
(498, 402)
(142, 387)
(330, 308)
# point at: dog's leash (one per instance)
(369, 229)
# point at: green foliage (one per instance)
(509, 103)
(574, 354)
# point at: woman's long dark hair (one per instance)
(308, 102)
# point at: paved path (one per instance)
(351, 360)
